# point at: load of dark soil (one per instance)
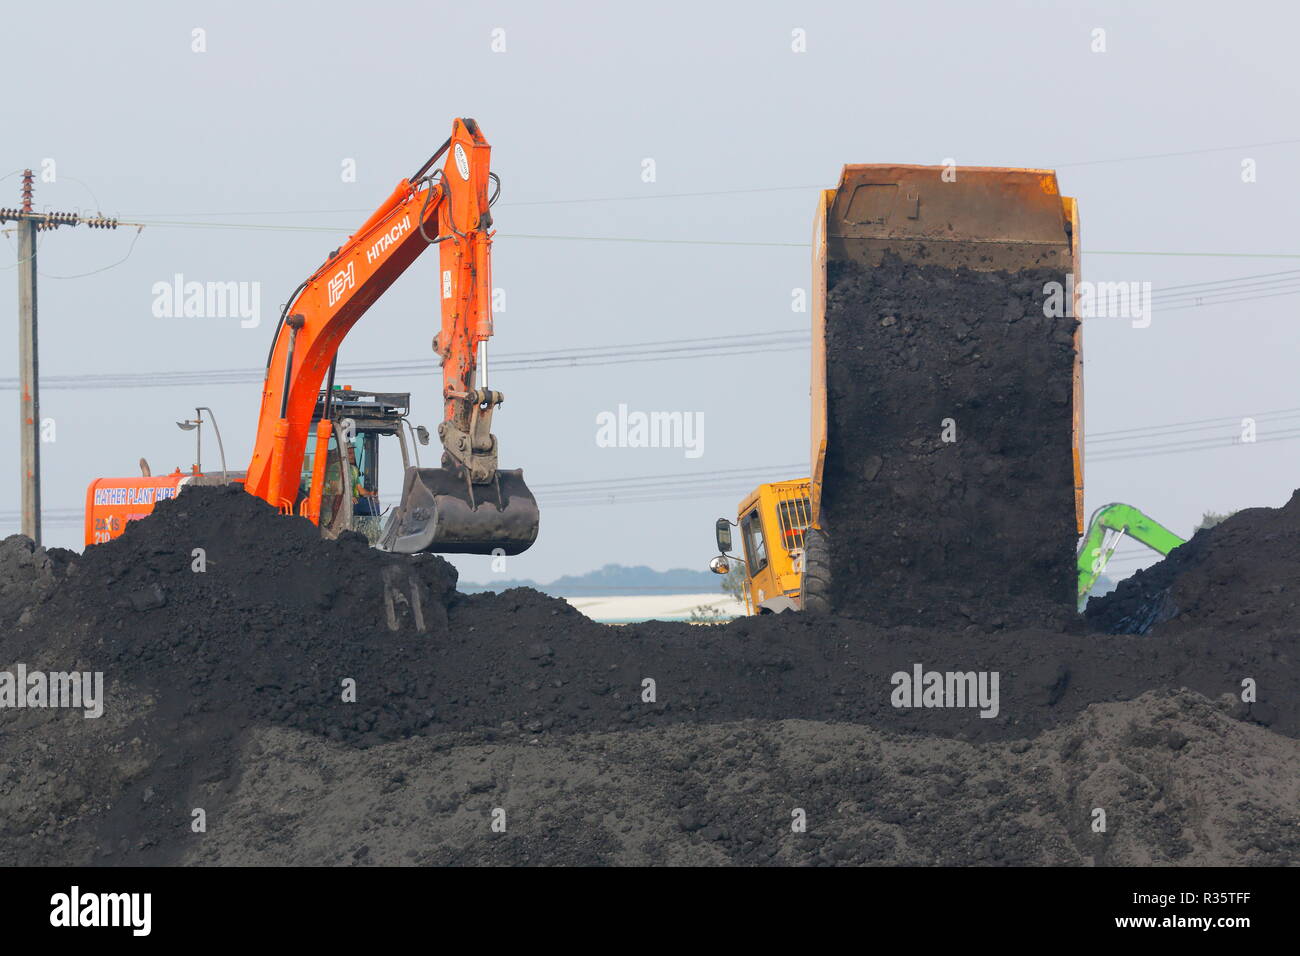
(220, 625)
(1241, 575)
(949, 481)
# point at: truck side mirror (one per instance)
(719, 565)
(724, 535)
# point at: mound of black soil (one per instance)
(978, 527)
(222, 606)
(28, 575)
(216, 617)
(1242, 575)
(279, 620)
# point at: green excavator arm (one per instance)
(1109, 524)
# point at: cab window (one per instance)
(793, 518)
(751, 532)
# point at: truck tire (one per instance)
(815, 586)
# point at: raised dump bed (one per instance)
(947, 399)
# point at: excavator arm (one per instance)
(1107, 528)
(467, 505)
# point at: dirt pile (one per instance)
(949, 475)
(1179, 783)
(1242, 575)
(278, 619)
(242, 654)
(29, 576)
(215, 602)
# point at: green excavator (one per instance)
(1107, 528)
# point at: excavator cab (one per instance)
(361, 422)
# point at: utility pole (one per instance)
(29, 223)
(29, 405)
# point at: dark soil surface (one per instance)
(226, 692)
(1180, 782)
(979, 527)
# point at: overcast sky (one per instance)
(244, 146)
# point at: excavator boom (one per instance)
(465, 506)
(1109, 524)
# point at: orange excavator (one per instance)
(468, 505)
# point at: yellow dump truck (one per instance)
(773, 521)
(981, 218)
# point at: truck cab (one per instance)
(772, 521)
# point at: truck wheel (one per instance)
(815, 587)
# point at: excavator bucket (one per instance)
(441, 512)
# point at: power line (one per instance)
(621, 354)
(1245, 298)
(112, 265)
(1186, 152)
(1195, 421)
(676, 476)
(1156, 431)
(1203, 255)
(1190, 443)
(731, 494)
(635, 495)
(627, 490)
(699, 194)
(717, 484)
(1217, 282)
(712, 346)
(1161, 434)
(1200, 296)
(347, 230)
(1207, 445)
